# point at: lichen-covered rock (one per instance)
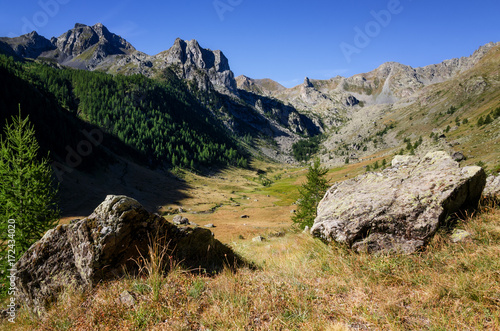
(400, 208)
(492, 188)
(101, 246)
(459, 235)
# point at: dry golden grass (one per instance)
(304, 284)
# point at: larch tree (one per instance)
(311, 193)
(27, 194)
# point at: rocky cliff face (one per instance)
(387, 84)
(191, 62)
(357, 109)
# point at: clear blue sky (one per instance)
(282, 40)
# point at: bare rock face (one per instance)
(492, 188)
(82, 37)
(399, 209)
(99, 247)
(198, 64)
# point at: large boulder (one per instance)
(400, 208)
(101, 246)
(492, 188)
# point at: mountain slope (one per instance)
(379, 110)
(116, 134)
(449, 109)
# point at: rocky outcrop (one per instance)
(265, 86)
(492, 188)
(400, 208)
(191, 60)
(284, 115)
(103, 245)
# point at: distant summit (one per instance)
(30, 45)
(83, 38)
(83, 47)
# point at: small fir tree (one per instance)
(311, 194)
(480, 121)
(27, 195)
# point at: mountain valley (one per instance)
(219, 164)
(356, 120)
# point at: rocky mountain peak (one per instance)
(30, 45)
(82, 37)
(190, 57)
(191, 53)
(307, 82)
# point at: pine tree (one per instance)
(488, 119)
(311, 194)
(27, 196)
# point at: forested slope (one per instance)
(159, 118)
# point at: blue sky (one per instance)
(282, 40)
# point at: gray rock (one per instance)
(492, 188)
(180, 220)
(400, 208)
(81, 254)
(127, 299)
(459, 235)
(30, 45)
(351, 101)
(210, 225)
(205, 67)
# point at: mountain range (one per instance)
(366, 116)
